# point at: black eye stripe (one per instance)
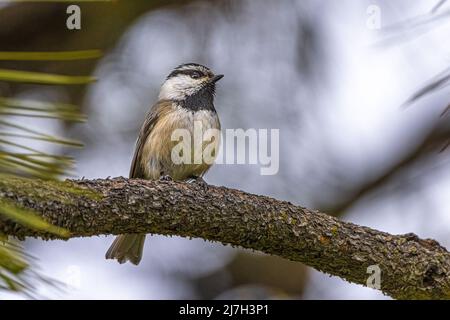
(186, 72)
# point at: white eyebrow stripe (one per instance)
(193, 68)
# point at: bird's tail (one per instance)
(127, 247)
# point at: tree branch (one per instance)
(411, 268)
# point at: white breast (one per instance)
(159, 144)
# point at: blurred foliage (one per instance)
(439, 82)
(18, 158)
(438, 6)
(414, 27)
(15, 272)
(29, 219)
(25, 41)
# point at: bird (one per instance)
(185, 97)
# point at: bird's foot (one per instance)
(199, 181)
(165, 178)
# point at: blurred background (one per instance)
(332, 76)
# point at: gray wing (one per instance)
(136, 170)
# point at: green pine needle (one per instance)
(18, 158)
(42, 78)
(50, 56)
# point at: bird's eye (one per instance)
(196, 75)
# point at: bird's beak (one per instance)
(216, 78)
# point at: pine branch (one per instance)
(411, 268)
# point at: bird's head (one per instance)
(187, 80)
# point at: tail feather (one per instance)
(127, 247)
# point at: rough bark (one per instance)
(411, 268)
